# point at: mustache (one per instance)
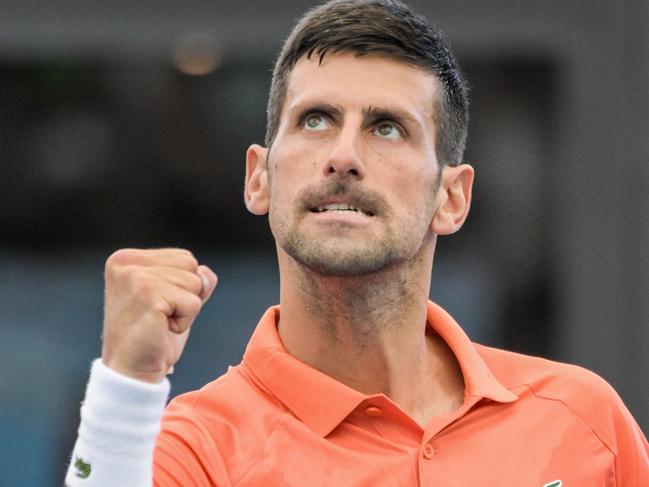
(352, 192)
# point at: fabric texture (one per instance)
(525, 421)
(120, 420)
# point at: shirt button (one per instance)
(429, 451)
(374, 412)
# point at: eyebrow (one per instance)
(301, 109)
(401, 116)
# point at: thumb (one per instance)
(209, 279)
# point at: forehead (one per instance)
(360, 81)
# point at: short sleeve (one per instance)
(186, 454)
(632, 450)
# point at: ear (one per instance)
(255, 192)
(453, 199)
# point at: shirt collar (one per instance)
(322, 402)
(315, 398)
(479, 381)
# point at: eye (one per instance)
(388, 130)
(315, 121)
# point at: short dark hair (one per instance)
(386, 27)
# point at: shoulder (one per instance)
(229, 390)
(554, 380)
(590, 398)
(235, 397)
(225, 424)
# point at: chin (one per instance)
(336, 261)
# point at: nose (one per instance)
(345, 159)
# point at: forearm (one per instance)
(120, 420)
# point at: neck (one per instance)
(370, 333)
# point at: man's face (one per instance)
(352, 171)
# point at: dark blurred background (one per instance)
(125, 124)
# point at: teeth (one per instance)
(336, 206)
(341, 207)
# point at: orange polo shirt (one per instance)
(274, 421)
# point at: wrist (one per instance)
(120, 420)
(152, 376)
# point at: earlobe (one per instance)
(255, 192)
(454, 199)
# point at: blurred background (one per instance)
(126, 123)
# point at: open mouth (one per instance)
(340, 208)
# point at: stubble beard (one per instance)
(340, 255)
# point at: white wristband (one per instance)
(120, 420)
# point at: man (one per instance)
(355, 378)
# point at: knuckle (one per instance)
(194, 305)
(120, 256)
(189, 262)
(191, 257)
(113, 260)
(196, 283)
(184, 251)
(177, 251)
(113, 273)
(118, 259)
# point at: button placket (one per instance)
(374, 412)
(429, 451)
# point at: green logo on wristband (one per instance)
(83, 468)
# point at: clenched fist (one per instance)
(152, 298)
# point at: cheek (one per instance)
(414, 190)
(282, 185)
(405, 178)
(297, 155)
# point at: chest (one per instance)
(490, 446)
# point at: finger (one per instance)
(178, 258)
(209, 280)
(180, 325)
(179, 306)
(189, 281)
